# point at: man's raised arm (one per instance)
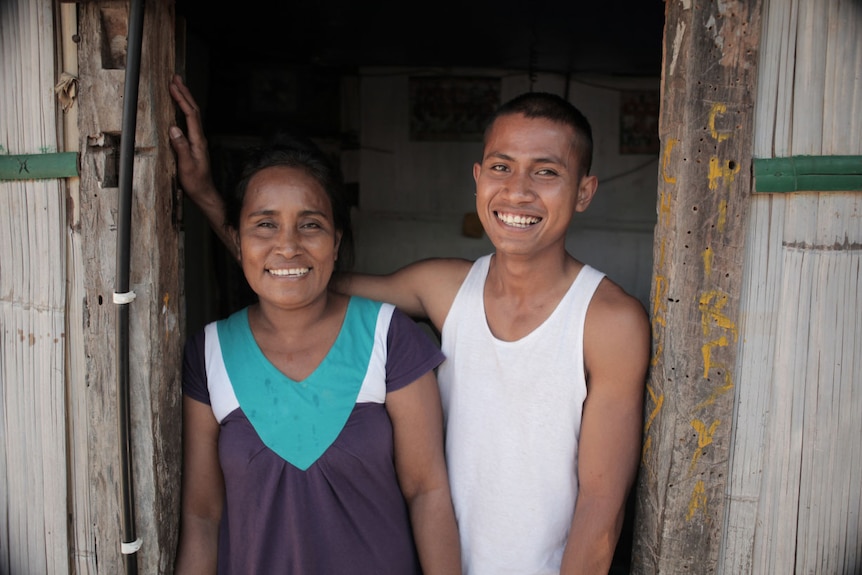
(193, 163)
(424, 289)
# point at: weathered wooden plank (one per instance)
(783, 17)
(776, 542)
(750, 523)
(852, 363)
(81, 532)
(852, 100)
(814, 458)
(846, 425)
(32, 302)
(7, 373)
(705, 128)
(808, 447)
(755, 364)
(810, 77)
(825, 508)
(156, 332)
(807, 497)
(843, 20)
(33, 396)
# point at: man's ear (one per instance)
(586, 191)
(477, 167)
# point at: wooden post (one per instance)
(156, 314)
(706, 126)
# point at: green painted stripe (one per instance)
(808, 174)
(39, 166)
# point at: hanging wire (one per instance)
(123, 297)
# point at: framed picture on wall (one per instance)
(451, 108)
(639, 122)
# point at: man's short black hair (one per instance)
(557, 109)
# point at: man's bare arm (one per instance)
(193, 163)
(424, 289)
(616, 354)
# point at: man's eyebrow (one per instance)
(499, 156)
(549, 160)
(540, 160)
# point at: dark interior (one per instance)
(234, 54)
(612, 37)
(325, 40)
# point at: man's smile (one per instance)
(517, 220)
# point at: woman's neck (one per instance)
(296, 340)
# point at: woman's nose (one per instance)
(287, 241)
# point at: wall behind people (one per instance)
(413, 194)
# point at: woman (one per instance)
(312, 424)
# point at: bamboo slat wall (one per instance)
(795, 491)
(33, 508)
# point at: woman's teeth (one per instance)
(291, 272)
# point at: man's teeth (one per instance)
(519, 221)
(290, 272)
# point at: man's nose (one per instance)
(520, 185)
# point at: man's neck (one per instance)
(521, 293)
(533, 275)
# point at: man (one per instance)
(546, 358)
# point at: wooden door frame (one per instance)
(706, 129)
(156, 313)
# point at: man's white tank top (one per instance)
(513, 418)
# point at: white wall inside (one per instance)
(414, 195)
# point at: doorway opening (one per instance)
(345, 73)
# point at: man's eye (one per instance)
(499, 168)
(266, 225)
(547, 172)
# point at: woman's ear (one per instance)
(338, 235)
(234, 237)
